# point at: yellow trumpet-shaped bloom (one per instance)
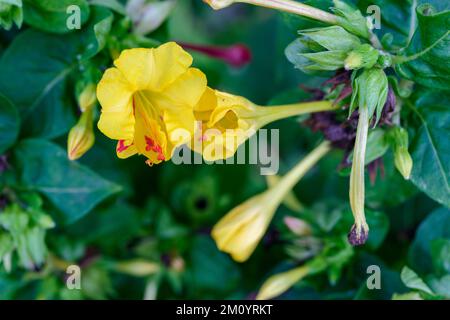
(239, 232)
(227, 121)
(279, 283)
(147, 97)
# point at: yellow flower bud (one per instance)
(402, 158)
(137, 267)
(81, 137)
(280, 283)
(239, 232)
(87, 98)
(403, 162)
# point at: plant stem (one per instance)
(291, 179)
(404, 59)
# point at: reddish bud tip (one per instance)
(236, 55)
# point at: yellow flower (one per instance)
(279, 283)
(227, 121)
(81, 137)
(239, 232)
(148, 98)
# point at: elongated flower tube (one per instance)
(279, 283)
(227, 121)
(147, 98)
(239, 232)
(360, 230)
(283, 5)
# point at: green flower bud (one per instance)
(370, 90)
(351, 19)
(365, 56)
(332, 38)
(11, 12)
(402, 158)
(322, 49)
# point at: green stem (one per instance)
(288, 182)
(404, 59)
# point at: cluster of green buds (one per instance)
(330, 49)
(11, 13)
(22, 232)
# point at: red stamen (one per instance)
(121, 147)
(152, 146)
(236, 55)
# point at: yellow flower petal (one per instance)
(125, 149)
(171, 62)
(113, 91)
(184, 91)
(118, 125)
(149, 138)
(137, 66)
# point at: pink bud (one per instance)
(236, 55)
(297, 226)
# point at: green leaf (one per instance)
(11, 12)
(431, 44)
(413, 281)
(9, 123)
(440, 285)
(45, 104)
(392, 11)
(440, 252)
(97, 30)
(376, 145)
(351, 19)
(210, 267)
(430, 147)
(53, 15)
(379, 227)
(44, 69)
(72, 188)
(435, 226)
